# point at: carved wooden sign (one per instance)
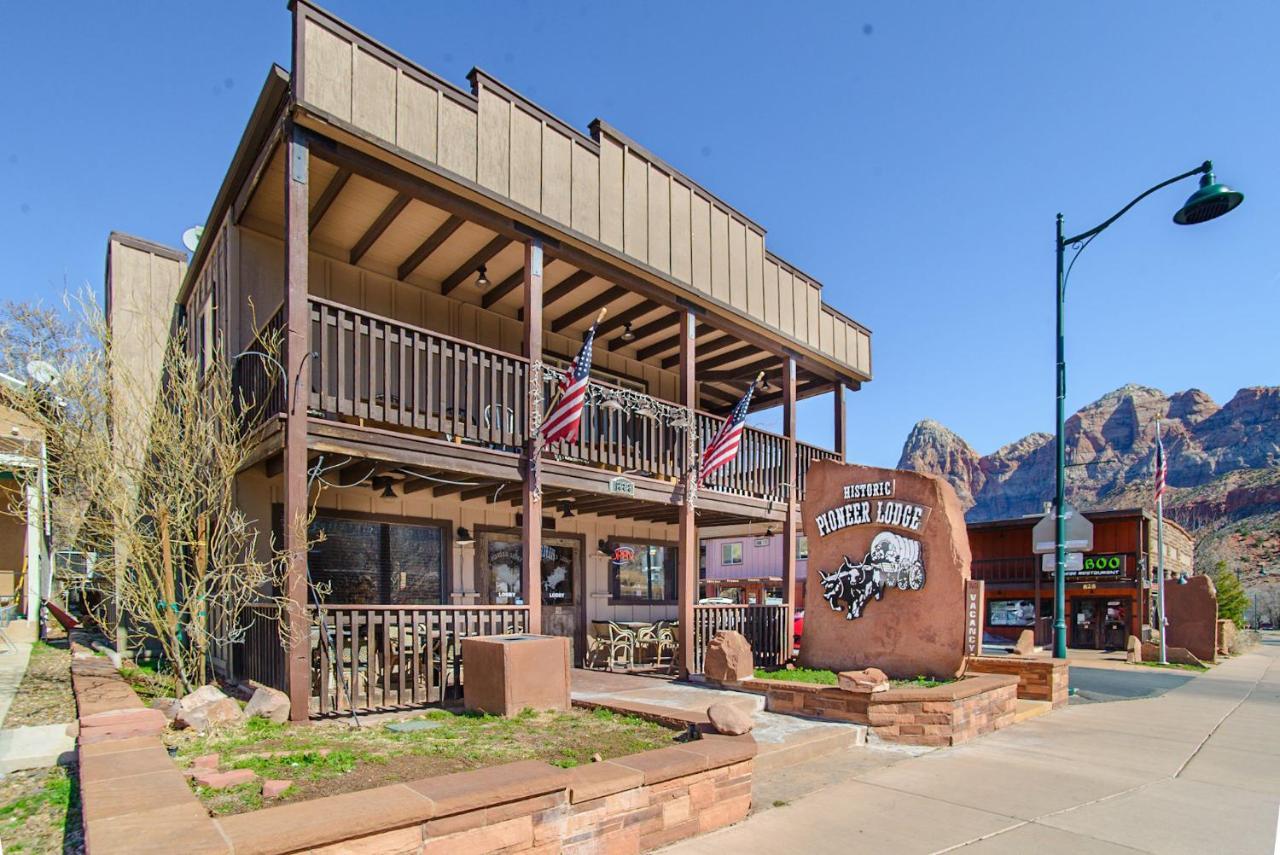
(888, 563)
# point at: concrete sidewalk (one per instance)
(1195, 770)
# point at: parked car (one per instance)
(715, 601)
(797, 628)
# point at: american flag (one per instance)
(1162, 465)
(565, 416)
(724, 447)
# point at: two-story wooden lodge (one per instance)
(433, 256)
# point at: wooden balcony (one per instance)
(369, 370)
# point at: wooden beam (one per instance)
(322, 205)
(725, 397)
(472, 264)
(589, 308)
(354, 473)
(531, 486)
(428, 246)
(485, 492)
(297, 328)
(705, 348)
(803, 390)
(769, 365)
(840, 429)
(668, 343)
(380, 225)
(729, 357)
(506, 286)
(687, 539)
(792, 517)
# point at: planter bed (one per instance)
(945, 714)
(136, 799)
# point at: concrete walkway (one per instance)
(1195, 770)
(13, 664)
(26, 747)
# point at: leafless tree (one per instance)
(143, 468)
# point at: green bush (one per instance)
(1232, 599)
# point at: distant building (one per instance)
(24, 558)
(1110, 592)
(747, 568)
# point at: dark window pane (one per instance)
(347, 558)
(416, 555)
(505, 561)
(557, 575)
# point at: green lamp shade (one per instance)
(1209, 202)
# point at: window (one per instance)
(369, 561)
(802, 548)
(731, 553)
(1011, 613)
(643, 572)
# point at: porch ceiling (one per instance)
(359, 221)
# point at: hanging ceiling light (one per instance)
(463, 537)
(627, 334)
(565, 507)
(482, 278)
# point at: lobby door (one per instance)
(499, 561)
(1085, 622)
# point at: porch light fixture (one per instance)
(463, 537)
(602, 547)
(482, 278)
(566, 508)
(388, 492)
(627, 334)
(1182, 579)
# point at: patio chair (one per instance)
(618, 641)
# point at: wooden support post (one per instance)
(531, 496)
(687, 544)
(840, 445)
(296, 347)
(792, 517)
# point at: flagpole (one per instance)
(1164, 624)
(555, 394)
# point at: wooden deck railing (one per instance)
(260, 654)
(806, 454)
(373, 657)
(256, 378)
(373, 368)
(765, 627)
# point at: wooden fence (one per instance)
(766, 628)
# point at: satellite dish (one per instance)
(191, 237)
(43, 372)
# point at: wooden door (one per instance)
(1085, 622)
(499, 559)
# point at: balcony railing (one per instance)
(384, 372)
(1019, 569)
(765, 627)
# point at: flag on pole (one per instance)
(566, 409)
(723, 448)
(1162, 466)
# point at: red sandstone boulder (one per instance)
(168, 706)
(270, 704)
(1134, 653)
(729, 719)
(200, 697)
(221, 712)
(868, 679)
(728, 658)
(1026, 643)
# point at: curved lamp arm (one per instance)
(1202, 169)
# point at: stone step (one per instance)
(1030, 709)
(793, 740)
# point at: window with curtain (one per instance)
(731, 553)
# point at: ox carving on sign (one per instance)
(894, 561)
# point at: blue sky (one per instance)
(910, 156)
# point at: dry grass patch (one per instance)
(44, 695)
(40, 812)
(328, 758)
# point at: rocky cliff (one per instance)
(1224, 467)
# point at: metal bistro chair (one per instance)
(659, 637)
(612, 642)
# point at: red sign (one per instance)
(623, 554)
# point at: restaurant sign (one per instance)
(1078, 567)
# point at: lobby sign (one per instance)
(890, 551)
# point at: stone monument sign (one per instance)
(888, 567)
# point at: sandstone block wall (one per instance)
(1038, 679)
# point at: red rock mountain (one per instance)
(1224, 467)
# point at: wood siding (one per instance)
(604, 187)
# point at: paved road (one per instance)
(1105, 684)
(1194, 770)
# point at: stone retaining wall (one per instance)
(135, 799)
(1038, 679)
(943, 715)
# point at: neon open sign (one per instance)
(623, 554)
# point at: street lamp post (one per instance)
(1210, 201)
